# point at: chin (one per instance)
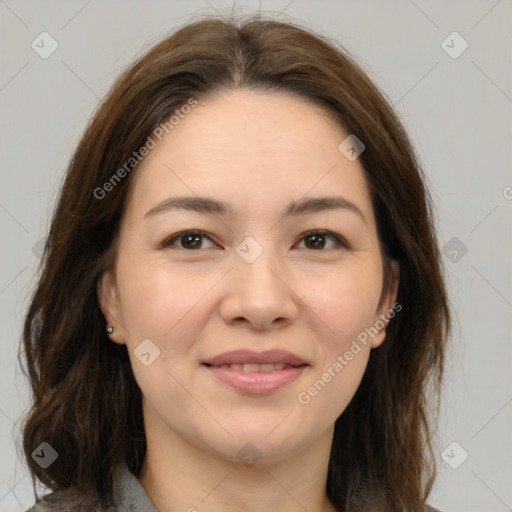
(263, 443)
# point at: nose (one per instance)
(260, 294)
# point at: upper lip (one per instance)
(247, 356)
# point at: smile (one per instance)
(255, 379)
(255, 373)
(251, 367)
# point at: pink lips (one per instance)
(246, 356)
(256, 382)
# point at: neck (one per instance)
(179, 475)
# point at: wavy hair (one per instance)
(86, 402)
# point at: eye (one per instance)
(317, 240)
(189, 240)
(192, 239)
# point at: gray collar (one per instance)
(132, 496)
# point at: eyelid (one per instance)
(168, 241)
(340, 241)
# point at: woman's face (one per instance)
(255, 276)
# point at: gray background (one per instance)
(457, 111)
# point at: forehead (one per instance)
(261, 148)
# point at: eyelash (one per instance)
(340, 242)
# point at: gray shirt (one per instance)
(132, 497)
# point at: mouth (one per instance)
(248, 357)
(256, 373)
(252, 367)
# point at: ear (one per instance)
(108, 299)
(387, 309)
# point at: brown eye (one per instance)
(317, 240)
(193, 240)
(186, 240)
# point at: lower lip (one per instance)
(256, 383)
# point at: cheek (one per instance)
(345, 311)
(333, 387)
(158, 304)
(346, 303)
(168, 307)
(156, 300)
(345, 308)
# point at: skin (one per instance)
(258, 152)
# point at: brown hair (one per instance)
(86, 403)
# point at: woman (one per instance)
(241, 304)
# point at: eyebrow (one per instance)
(207, 205)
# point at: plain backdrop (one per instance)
(456, 103)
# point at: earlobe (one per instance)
(107, 298)
(379, 338)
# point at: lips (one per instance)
(252, 367)
(247, 357)
(256, 373)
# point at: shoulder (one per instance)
(129, 495)
(50, 504)
(69, 501)
(54, 502)
(66, 500)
